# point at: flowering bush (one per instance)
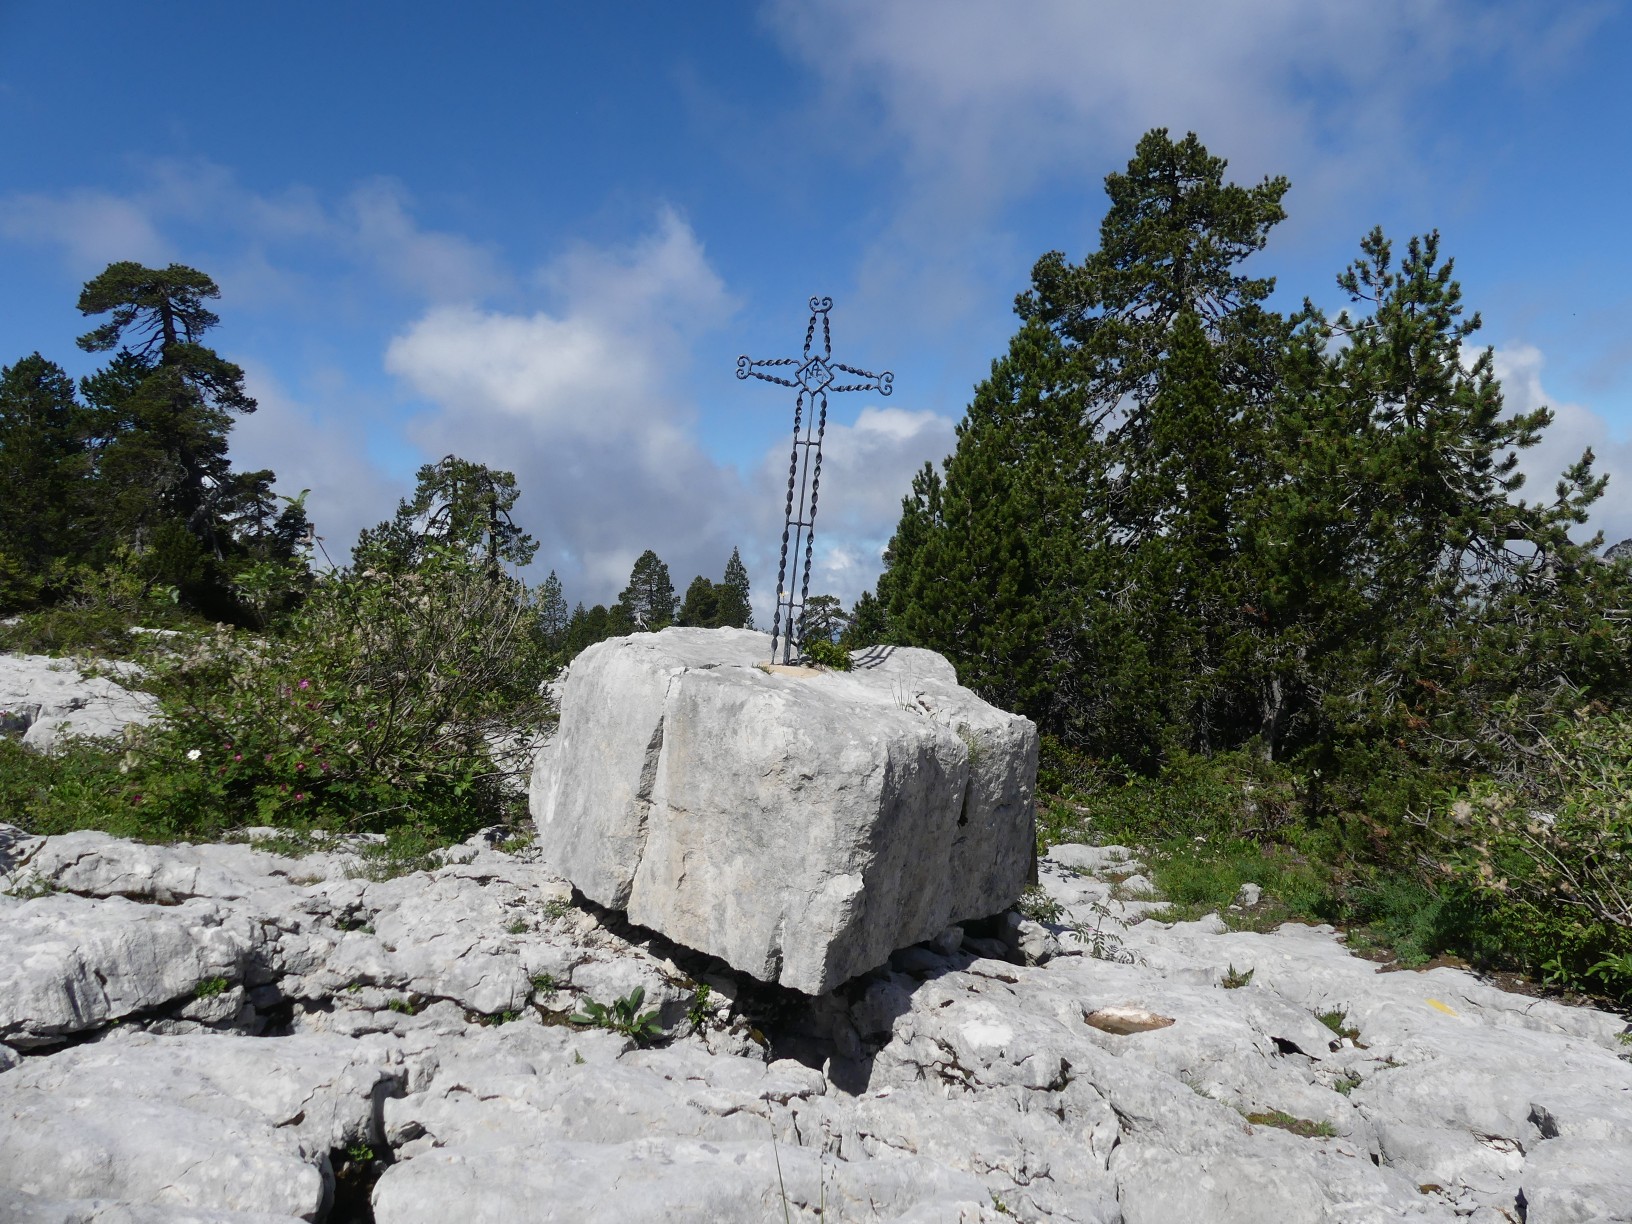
(373, 710)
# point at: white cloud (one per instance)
(1574, 429)
(983, 104)
(92, 228)
(867, 468)
(582, 405)
(309, 448)
(267, 236)
(438, 266)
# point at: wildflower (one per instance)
(193, 754)
(300, 796)
(305, 684)
(237, 756)
(300, 766)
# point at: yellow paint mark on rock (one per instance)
(1438, 1006)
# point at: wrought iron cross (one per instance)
(814, 377)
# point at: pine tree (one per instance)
(43, 468)
(457, 506)
(734, 609)
(648, 601)
(868, 625)
(553, 617)
(166, 405)
(701, 606)
(821, 617)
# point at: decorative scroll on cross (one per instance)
(814, 376)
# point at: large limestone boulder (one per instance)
(800, 825)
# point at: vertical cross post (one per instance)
(814, 375)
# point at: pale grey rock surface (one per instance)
(46, 699)
(799, 827)
(423, 1017)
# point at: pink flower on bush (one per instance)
(300, 796)
(300, 766)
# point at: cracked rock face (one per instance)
(801, 827)
(215, 1033)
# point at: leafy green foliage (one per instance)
(700, 1010)
(824, 652)
(1037, 905)
(1235, 979)
(375, 711)
(623, 1016)
(1550, 856)
(210, 988)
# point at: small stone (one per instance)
(1249, 896)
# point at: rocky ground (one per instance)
(224, 1033)
(44, 700)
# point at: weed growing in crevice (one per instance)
(1234, 979)
(1297, 1126)
(623, 1016)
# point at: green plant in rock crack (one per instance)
(545, 986)
(623, 1016)
(1102, 944)
(1335, 1019)
(698, 1013)
(1037, 905)
(1298, 1126)
(1234, 978)
(210, 988)
(517, 927)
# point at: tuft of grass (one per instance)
(545, 986)
(1234, 979)
(557, 907)
(518, 927)
(1335, 1020)
(405, 1006)
(1298, 1126)
(1346, 1083)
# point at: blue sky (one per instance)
(539, 235)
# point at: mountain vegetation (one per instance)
(1270, 583)
(1285, 560)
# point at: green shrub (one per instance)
(823, 652)
(373, 711)
(1549, 858)
(1229, 795)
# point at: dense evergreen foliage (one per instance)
(1177, 522)
(133, 471)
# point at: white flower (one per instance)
(193, 754)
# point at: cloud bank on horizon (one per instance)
(924, 152)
